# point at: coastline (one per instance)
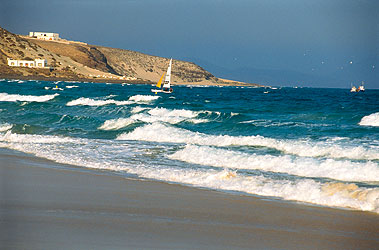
(107, 80)
(47, 205)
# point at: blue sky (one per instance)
(318, 43)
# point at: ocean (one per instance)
(306, 145)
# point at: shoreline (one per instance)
(48, 205)
(107, 80)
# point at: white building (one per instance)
(44, 35)
(37, 63)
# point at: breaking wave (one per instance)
(301, 166)
(116, 124)
(162, 133)
(5, 127)
(152, 116)
(92, 102)
(143, 98)
(5, 97)
(370, 120)
(101, 154)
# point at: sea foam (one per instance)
(101, 154)
(115, 124)
(152, 116)
(370, 120)
(91, 102)
(162, 133)
(143, 98)
(98, 102)
(5, 127)
(301, 166)
(5, 97)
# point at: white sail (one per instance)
(167, 80)
(166, 88)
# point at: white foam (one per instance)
(301, 166)
(162, 133)
(116, 156)
(370, 120)
(94, 102)
(152, 116)
(73, 86)
(173, 113)
(5, 97)
(143, 98)
(91, 102)
(5, 127)
(138, 109)
(34, 139)
(328, 194)
(115, 124)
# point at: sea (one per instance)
(312, 146)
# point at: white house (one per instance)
(44, 35)
(37, 63)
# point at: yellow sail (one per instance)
(160, 81)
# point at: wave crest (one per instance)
(370, 120)
(300, 166)
(93, 102)
(5, 97)
(162, 133)
(5, 127)
(143, 98)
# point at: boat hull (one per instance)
(161, 91)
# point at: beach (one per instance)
(46, 205)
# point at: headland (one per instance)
(79, 61)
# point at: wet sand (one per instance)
(46, 205)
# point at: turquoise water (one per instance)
(317, 146)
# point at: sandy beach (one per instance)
(46, 205)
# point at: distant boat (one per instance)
(361, 88)
(166, 88)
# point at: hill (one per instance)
(69, 60)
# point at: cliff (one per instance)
(79, 61)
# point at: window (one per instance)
(21, 64)
(12, 63)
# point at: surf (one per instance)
(5, 97)
(159, 132)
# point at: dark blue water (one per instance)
(317, 146)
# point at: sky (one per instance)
(311, 43)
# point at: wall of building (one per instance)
(37, 63)
(44, 35)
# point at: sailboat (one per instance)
(361, 88)
(353, 89)
(166, 88)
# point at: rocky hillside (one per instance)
(75, 60)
